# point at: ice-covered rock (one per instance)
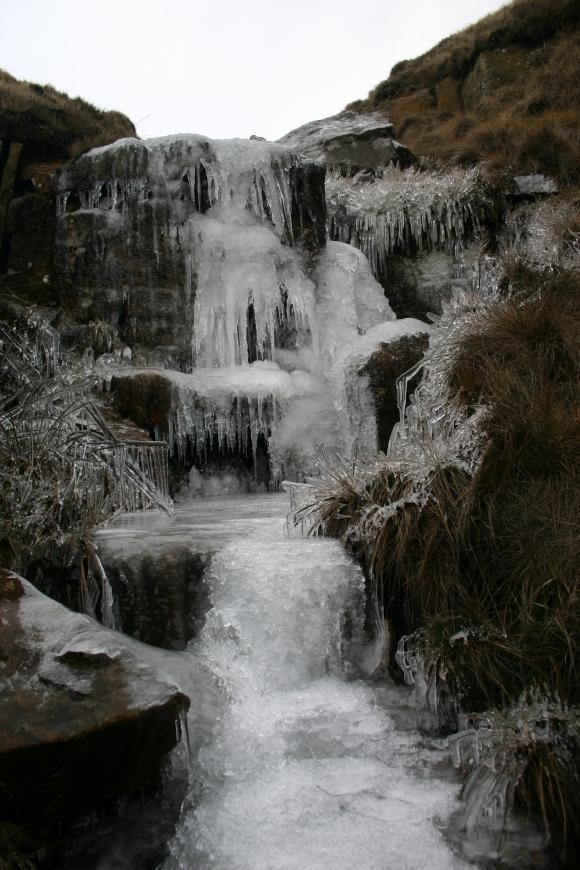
(415, 227)
(354, 399)
(88, 718)
(209, 257)
(186, 242)
(534, 185)
(350, 140)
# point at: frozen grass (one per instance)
(62, 471)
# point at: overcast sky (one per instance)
(222, 68)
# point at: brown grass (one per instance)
(527, 118)
(53, 126)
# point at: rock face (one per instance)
(350, 141)
(84, 720)
(141, 235)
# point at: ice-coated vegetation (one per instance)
(403, 211)
(62, 470)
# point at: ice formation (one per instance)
(202, 244)
(301, 768)
(404, 211)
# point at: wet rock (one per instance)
(383, 368)
(30, 244)
(145, 398)
(351, 141)
(158, 588)
(83, 718)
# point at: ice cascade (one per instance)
(210, 256)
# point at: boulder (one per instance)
(156, 575)
(350, 141)
(84, 719)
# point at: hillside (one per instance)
(506, 91)
(51, 125)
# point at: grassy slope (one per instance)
(505, 90)
(52, 126)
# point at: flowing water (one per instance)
(298, 761)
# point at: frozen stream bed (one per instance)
(298, 762)
(298, 758)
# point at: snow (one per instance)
(52, 632)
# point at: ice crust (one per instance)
(302, 767)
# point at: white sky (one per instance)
(223, 68)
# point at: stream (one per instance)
(298, 758)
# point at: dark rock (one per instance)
(29, 244)
(419, 284)
(146, 398)
(158, 588)
(350, 141)
(309, 205)
(383, 368)
(84, 720)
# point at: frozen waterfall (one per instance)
(208, 255)
(302, 767)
